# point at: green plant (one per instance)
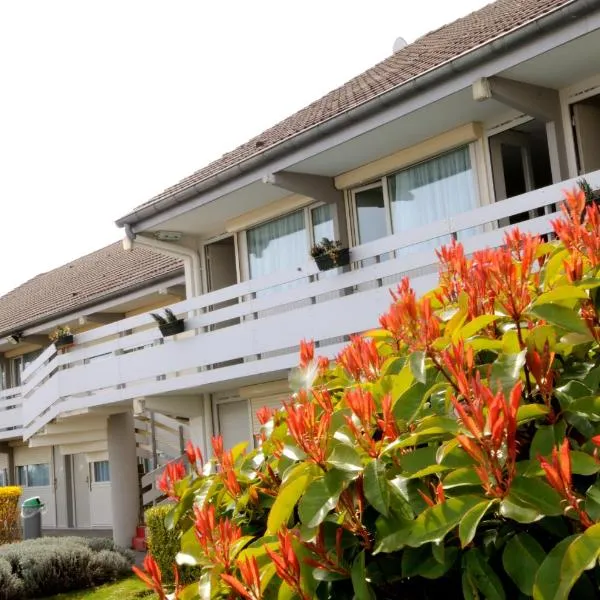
(51, 565)
(169, 317)
(164, 542)
(11, 587)
(327, 247)
(452, 452)
(9, 513)
(60, 332)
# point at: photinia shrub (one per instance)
(453, 452)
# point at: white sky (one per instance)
(104, 104)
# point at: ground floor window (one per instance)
(101, 471)
(37, 475)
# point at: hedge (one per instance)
(164, 544)
(52, 565)
(10, 530)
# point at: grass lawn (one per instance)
(126, 589)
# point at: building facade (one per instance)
(471, 129)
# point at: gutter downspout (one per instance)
(576, 9)
(190, 258)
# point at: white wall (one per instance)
(30, 456)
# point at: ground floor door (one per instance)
(81, 491)
(233, 424)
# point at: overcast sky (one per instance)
(105, 103)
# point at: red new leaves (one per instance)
(558, 474)
(287, 564)
(216, 536)
(411, 322)
(360, 359)
(194, 456)
(173, 472)
(152, 577)
(249, 586)
(490, 419)
(225, 461)
(309, 426)
(579, 229)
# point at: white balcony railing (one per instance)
(257, 333)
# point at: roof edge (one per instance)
(573, 9)
(95, 302)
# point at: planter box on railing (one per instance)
(325, 262)
(173, 328)
(63, 341)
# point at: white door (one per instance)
(234, 423)
(81, 490)
(586, 118)
(100, 496)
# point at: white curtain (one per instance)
(431, 191)
(278, 245)
(322, 223)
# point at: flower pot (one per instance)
(64, 340)
(172, 328)
(326, 261)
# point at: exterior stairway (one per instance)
(160, 440)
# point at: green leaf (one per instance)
(362, 589)
(461, 477)
(320, 497)
(521, 559)
(537, 494)
(545, 439)
(592, 501)
(289, 494)
(417, 366)
(581, 554)
(561, 316)
(562, 292)
(436, 521)
(588, 405)
(472, 327)
(401, 382)
(517, 512)
(469, 523)
(483, 576)
(376, 486)
(583, 464)
(506, 370)
(345, 457)
(531, 411)
(547, 578)
(469, 589)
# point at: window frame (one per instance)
(242, 244)
(383, 183)
(95, 480)
(26, 483)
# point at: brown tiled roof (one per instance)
(86, 280)
(426, 53)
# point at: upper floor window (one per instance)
(285, 242)
(416, 196)
(37, 475)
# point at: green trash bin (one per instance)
(31, 515)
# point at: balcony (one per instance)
(250, 332)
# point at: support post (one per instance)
(124, 488)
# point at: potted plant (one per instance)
(169, 324)
(62, 336)
(591, 195)
(329, 254)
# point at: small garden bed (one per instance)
(52, 565)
